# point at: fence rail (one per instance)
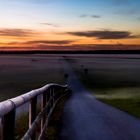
(50, 95)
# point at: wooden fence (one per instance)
(49, 94)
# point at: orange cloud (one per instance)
(17, 32)
(27, 39)
(105, 34)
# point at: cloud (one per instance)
(105, 34)
(35, 43)
(83, 16)
(95, 16)
(50, 24)
(90, 16)
(17, 32)
(46, 42)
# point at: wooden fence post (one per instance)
(8, 126)
(51, 97)
(43, 104)
(32, 114)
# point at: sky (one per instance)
(69, 24)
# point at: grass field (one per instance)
(113, 79)
(22, 73)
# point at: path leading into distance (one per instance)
(85, 118)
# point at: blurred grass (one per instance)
(55, 124)
(21, 125)
(20, 74)
(119, 96)
(131, 106)
(52, 132)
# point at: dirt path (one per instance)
(86, 118)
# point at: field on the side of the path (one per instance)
(113, 79)
(22, 73)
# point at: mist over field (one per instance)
(108, 77)
(22, 73)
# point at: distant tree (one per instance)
(66, 76)
(86, 71)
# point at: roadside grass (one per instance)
(124, 98)
(21, 126)
(55, 123)
(131, 106)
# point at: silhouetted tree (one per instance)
(86, 71)
(66, 76)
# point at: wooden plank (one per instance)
(32, 114)
(43, 104)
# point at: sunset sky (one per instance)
(69, 24)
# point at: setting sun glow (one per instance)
(69, 25)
